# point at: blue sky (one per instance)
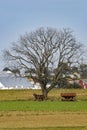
(20, 16)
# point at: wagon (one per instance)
(68, 96)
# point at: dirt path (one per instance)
(20, 119)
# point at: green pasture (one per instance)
(43, 106)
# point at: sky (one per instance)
(20, 16)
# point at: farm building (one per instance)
(9, 81)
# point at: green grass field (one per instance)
(59, 106)
(19, 111)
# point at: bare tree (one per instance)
(44, 50)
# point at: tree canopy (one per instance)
(44, 51)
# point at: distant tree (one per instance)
(30, 71)
(15, 71)
(83, 70)
(6, 69)
(45, 50)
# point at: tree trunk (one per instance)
(45, 93)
